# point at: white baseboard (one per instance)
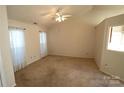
(121, 79)
(13, 85)
(70, 56)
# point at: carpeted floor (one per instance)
(59, 71)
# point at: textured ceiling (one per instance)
(43, 14)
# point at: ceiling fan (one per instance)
(58, 15)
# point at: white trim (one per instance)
(111, 75)
(13, 85)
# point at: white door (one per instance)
(43, 44)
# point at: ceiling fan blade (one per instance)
(57, 14)
(51, 12)
(59, 9)
(65, 18)
(67, 15)
(43, 14)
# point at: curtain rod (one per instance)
(17, 27)
(40, 31)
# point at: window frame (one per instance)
(110, 39)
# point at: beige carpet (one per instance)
(58, 71)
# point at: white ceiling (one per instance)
(43, 14)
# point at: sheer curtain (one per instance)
(17, 48)
(43, 44)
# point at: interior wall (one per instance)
(6, 67)
(112, 61)
(99, 43)
(71, 38)
(32, 39)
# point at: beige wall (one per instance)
(6, 67)
(112, 62)
(99, 43)
(32, 39)
(71, 38)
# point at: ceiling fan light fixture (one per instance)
(60, 17)
(63, 18)
(57, 14)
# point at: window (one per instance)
(43, 44)
(116, 38)
(17, 37)
(17, 48)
